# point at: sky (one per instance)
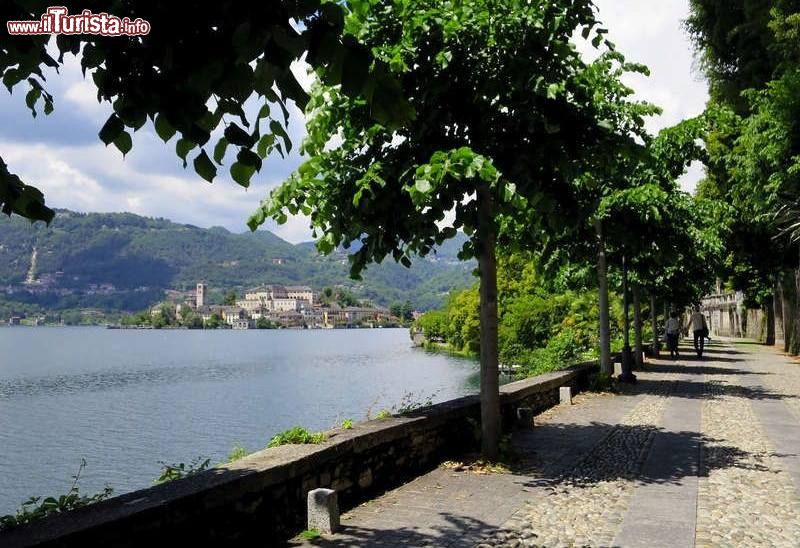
(61, 154)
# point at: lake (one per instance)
(126, 399)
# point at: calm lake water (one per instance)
(125, 400)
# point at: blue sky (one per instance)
(62, 155)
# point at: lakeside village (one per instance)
(266, 307)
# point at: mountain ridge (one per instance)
(125, 262)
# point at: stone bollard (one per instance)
(617, 369)
(323, 511)
(525, 416)
(565, 395)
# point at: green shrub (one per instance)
(296, 436)
(171, 472)
(347, 424)
(433, 325)
(411, 402)
(36, 508)
(383, 414)
(237, 453)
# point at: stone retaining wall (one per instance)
(262, 498)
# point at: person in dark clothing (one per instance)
(699, 328)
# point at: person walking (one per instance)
(699, 328)
(672, 330)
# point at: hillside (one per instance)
(121, 261)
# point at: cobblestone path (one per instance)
(698, 453)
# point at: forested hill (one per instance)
(121, 261)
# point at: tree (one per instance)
(402, 310)
(264, 323)
(407, 311)
(733, 39)
(214, 322)
(230, 298)
(636, 214)
(190, 320)
(505, 109)
(749, 50)
(193, 78)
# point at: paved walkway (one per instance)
(696, 454)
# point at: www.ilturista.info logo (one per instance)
(57, 21)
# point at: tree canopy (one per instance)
(507, 115)
(749, 51)
(191, 75)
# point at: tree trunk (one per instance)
(789, 315)
(654, 321)
(769, 339)
(794, 347)
(490, 381)
(606, 367)
(777, 305)
(637, 328)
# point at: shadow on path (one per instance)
(623, 451)
(711, 390)
(456, 532)
(697, 369)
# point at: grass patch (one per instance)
(296, 436)
(310, 534)
(237, 453)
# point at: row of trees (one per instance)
(750, 53)
(427, 118)
(165, 317)
(514, 136)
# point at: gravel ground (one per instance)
(744, 498)
(585, 507)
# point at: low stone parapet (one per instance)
(263, 497)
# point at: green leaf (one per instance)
(242, 173)
(423, 186)
(265, 145)
(204, 167)
(182, 148)
(249, 158)
(163, 128)
(220, 149)
(326, 244)
(124, 142)
(111, 129)
(31, 98)
(237, 136)
(278, 130)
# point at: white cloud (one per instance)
(83, 95)
(96, 178)
(652, 33)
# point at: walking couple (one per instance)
(697, 325)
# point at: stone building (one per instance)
(201, 296)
